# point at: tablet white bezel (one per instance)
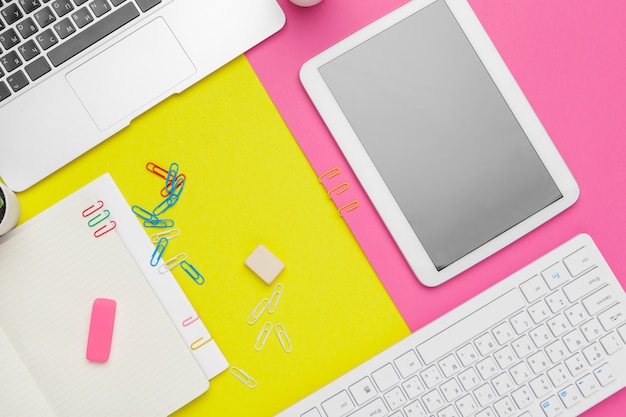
(372, 182)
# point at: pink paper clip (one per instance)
(105, 229)
(93, 208)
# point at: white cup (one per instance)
(10, 212)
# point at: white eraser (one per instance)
(265, 264)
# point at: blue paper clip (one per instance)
(192, 272)
(143, 213)
(159, 223)
(158, 251)
(171, 177)
(179, 181)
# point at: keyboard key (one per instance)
(28, 50)
(451, 390)
(570, 396)
(467, 355)
(431, 376)
(591, 329)
(363, 390)
(534, 288)
(395, 398)
(146, 5)
(556, 351)
(578, 261)
(484, 395)
(374, 409)
(413, 387)
(469, 379)
(80, 2)
(467, 406)
(558, 375)
(555, 275)
(82, 17)
(521, 373)
(117, 2)
(588, 385)
(522, 396)
(485, 344)
(505, 407)
(415, 409)
(385, 377)
(27, 27)
(576, 364)
(407, 363)
(449, 365)
(17, 81)
(100, 7)
(574, 340)
(449, 411)
(599, 300)
(64, 28)
(62, 7)
(523, 346)
(611, 343)
(11, 13)
(593, 353)
(503, 333)
(622, 333)
(521, 322)
(503, 383)
(584, 285)
(29, 5)
(505, 357)
(4, 91)
(539, 311)
(605, 374)
(557, 301)
(338, 405)
(540, 386)
(487, 368)
(576, 314)
(10, 61)
(552, 406)
(9, 39)
(433, 401)
(488, 412)
(47, 39)
(558, 325)
(538, 362)
(93, 34)
(612, 317)
(44, 17)
(37, 68)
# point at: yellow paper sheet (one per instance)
(247, 183)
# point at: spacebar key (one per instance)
(93, 34)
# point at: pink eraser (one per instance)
(101, 329)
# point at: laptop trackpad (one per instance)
(130, 74)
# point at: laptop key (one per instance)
(17, 81)
(117, 2)
(10, 61)
(37, 68)
(28, 50)
(62, 7)
(82, 17)
(26, 27)
(80, 2)
(44, 17)
(9, 39)
(29, 5)
(47, 39)
(93, 34)
(146, 5)
(100, 7)
(4, 91)
(11, 13)
(64, 28)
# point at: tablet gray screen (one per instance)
(440, 133)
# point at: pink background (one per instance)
(569, 58)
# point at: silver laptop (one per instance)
(73, 72)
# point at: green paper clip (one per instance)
(192, 272)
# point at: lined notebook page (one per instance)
(52, 270)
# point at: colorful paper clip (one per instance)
(338, 189)
(105, 229)
(158, 251)
(172, 263)
(163, 206)
(169, 234)
(155, 169)
(331, 173)
(159, 223)
(246, 379)
(142, 213)
(258, 311)
(282, 337)
(180, 180)
(99, 218)
(275, 298)
(86, 213)
(352, 205)
(191, 319)
(171, 177)
(192, 272)
(263, 335)
(199, 343)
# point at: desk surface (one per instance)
(249, 183)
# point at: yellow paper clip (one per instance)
(246, 379)
(192, 272)
(352, 205)
(263, 335)
(258, 311)
(338, 189)
(169, 234)
(155, 169)
(331, 173)
(275, 298)
(172, 263)
(282, 337)
(158, 251)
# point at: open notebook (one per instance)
(53, 267)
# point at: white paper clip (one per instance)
(258, 311)
(246, 379)
(169, 234)
(282, 337)
(275, 298)
(263, 335)
(172, 263)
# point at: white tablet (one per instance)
(439, 134)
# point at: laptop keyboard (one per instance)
(548, 341)
(36, 36)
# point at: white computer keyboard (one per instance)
(547, 341)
